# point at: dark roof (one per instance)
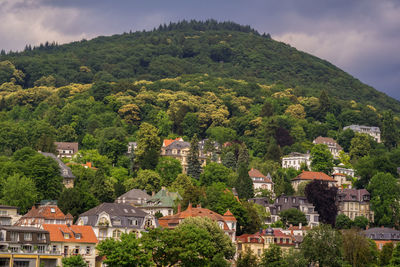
(8, 207)
(353, 195)
(67, 145)
(327, 141)
(382, 233)
(65, 171)
(178, 145)
(22, 229)
(115, 209)
(135, 194)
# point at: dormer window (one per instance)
(78, 236)
(52, 210)
(66, 235)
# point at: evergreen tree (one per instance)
(229, 160)
(325, 104)
(194, 167)
(389, 132)
(148, 147)
(102, 188)
(244, 184)
(243, 156)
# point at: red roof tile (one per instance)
(306, 175)
(57, 232)
(167, 142)
(228, 216)
(45, 211)
(256, 173)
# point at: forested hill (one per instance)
(225, 50)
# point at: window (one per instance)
(14, 236)
(76, 250)
(3, 212)
(52, 210)
(88, 250)
(66, 235)
(28, 248)
(66, 250)
(14, 249)
(28, 236)
(117, 222)
(54, 249)
(133, 222)
(41, 249)
(78, 236)
(117, 234)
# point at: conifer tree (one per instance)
(389, 133)
(243, 156)
(244, 184)
(194, 167)
(229, 160)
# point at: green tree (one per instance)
(76, 201)
(164, 124)
(360, 146)
(146, 180)
(214, 173)
(190, 125)
(344, 139)
(361, 222)
(395, 261)
(66, 134)
(74, 261)
(100, 90)
(321, 159)
(389, 131)
(343, 222)
(229, 160)
(148, 146)
(244, 184)
(102, 187)
(385, 196)
(221, 134)
(293, 216)
(323, 244)
(19, 191)
(194, 167)
(126, 252)
(181, 184)
(356, 248)
(386, 254)
(272, 257)
(247, 259)
(168, 168)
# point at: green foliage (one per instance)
(389, 132)
(293, 216)
(168, 168)
(272, 257)
(244, 184)
(74, 261)
(194, 167)
(148, 146)
(321, 159)
(356, 248)
(360, 146)
(395, 260)
(343, 222)
(386, 254)
(361, 222)
(247, 259)
(322, 244)
(146, 180)
(214, 173)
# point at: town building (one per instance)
(306, 176)
(131, 148)
(134, 197)
(226, 222)
(110, 220)
(8, 215)
(382, 236)
(162, 203)
(296, 231)
(260, 181)
(333, 147)
(375, 132)
(65, 171)
(263, 239)
(342, 181)
(296, 160)
(355, 202)
(73, 240)
(66, 149)
(45, 213)
(27, 246)
(341, 169)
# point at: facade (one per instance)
(134, 197)
(343, 170)
(296, 160)
(45, 213)
(260, 181)
(342, 181)
(226, 222)
(131, 148)
(307, 176)
(73, 240)
(163, 202)
(27, 246)
(66, 149)
(382, 236)
(65, 171)
(333, 147)
(287, 202)
(375, 132)
(262, 240)
(8, 215)
(110, 220)
(353, 203)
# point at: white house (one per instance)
(333, 147)
(375, 132)
(260, 181)
(295, 160)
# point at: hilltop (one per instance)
(226, 50)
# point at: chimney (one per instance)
(153, 193)
(300, 225)
(89, 164)
(179, 208)
(189, 206)
(198, 205)
(366, 228)
(382, 226)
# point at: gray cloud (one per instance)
(360, 36)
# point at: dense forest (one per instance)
(199, 80)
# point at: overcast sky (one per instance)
(360, 36)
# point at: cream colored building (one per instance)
(8, 215)
(296, 160)
(375, 132)
(353, 203)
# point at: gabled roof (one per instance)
(67, 146)
(45, 212)
(352, 194)
(167, 142)
(327, 140)
(178, 145)
(135, 194)
(228, 216)
(306, 175)
(254, 173)
(115, 209)
(164, 198)
(77, 233)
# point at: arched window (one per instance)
(136, 233)
(117, 234)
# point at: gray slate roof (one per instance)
(379, 233)
(135, 194)
(65, 171)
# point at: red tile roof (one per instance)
(228, 216)
(45, 211)
(306, 175)
(57, 232)
(256, 173)
(167, 142)
(171, 221)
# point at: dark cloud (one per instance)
(359, 36)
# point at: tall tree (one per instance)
(229, 160)
(323, 197)
(389, 131)
(272, 257)
(168, 168)
(244, 184)
(360, 146)
(356, 248)
(148, 146)
(146, 180)
(321, 159)
(293, 216)
(102, 187)
(74, 261)
(325, 104)
(386, 254)
(194, 167)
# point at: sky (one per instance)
(362, 37)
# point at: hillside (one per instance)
(218, 49)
